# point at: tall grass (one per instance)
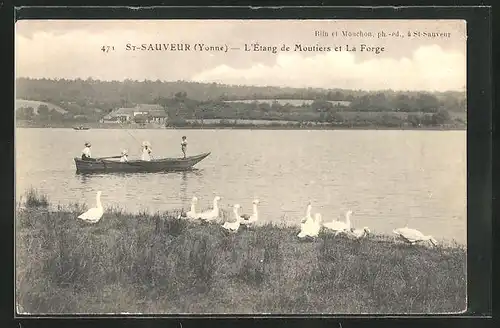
(34, 199)
(156, 263)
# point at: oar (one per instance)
(97, 159)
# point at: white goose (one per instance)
(191, 214)
(339, 226)
(311, 228)
(235, 225)
(413, 236)
(94, 214)
(358, 233)
(308, 218)
(211, 214)
(316, 226)
(251, 219)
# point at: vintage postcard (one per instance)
(240, 166)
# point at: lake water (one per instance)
(386, 177)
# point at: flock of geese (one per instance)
(310, 227)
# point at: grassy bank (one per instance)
(159, 264)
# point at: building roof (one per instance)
(121, 111)
(148, 107)
(118, 112)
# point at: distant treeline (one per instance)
(337, 120)
(89, 100)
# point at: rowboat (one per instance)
(80, 127)
(101, 165)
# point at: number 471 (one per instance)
(107, 48)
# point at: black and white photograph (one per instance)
(240, 166)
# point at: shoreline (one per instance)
(54, 209)
(241, 127)
(157, 263)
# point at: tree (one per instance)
(451, 103)
(441, 117)
(390, 120)
(43, 110)
(180, 96)
(427, 103)
(361, 103)
(414, 120)
(265, 107)
(67, 117)
(55, 116)
(403, 103)
(275, 106)
(321, 105)
(334, 117)
(176, 122)
(286, 108)
(427, 120)
(338, 96)
(378, 102)
(25, 113)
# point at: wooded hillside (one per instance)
(89, 100)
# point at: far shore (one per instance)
(239, 127)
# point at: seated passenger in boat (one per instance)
(146, 151)
(86, 155)
(124, 157)
(184, 145)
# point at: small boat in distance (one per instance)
(81, 127)
(102, 165)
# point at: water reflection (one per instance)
(128, 188)
(84, 178)
(183, 186)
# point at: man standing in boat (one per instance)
(184, 145)
(146, 151)
(86, 155)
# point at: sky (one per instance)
(72, 49)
